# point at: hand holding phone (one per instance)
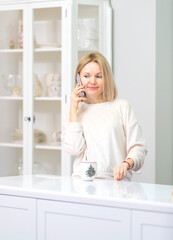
(78, 95)
(82, 94)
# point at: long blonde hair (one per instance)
(109, 87)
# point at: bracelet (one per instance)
(128, 164)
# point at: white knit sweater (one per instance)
(108, 133)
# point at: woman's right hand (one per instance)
(74, 101)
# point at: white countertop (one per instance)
(152, 197)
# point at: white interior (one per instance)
(142, 66)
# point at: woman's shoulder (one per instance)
(121, 102)
(122, 106)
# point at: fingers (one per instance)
(119, 172)
(76, 93)
(75, 97)
(83, 99)
(79, 98)
(78, 86)
(79, 91)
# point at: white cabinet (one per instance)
(36, 79)
(30, 218)
(151, 225)
(17, 218)
(61, 220)
(56, 207)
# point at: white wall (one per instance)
(164, 92)
(134, 68)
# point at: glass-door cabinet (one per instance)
(40, 45)
(11, 89)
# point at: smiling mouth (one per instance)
(92, 87)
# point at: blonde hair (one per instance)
(109, 87)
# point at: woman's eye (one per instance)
(99, 76)
(86, 76)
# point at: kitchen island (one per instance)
(46, 207)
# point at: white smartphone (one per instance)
(82, 94)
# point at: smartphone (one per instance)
(82, 94)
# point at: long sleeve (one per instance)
(135, 143)
(72, 136)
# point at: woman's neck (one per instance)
(94, 100)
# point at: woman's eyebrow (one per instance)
(90, 73)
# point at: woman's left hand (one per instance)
(120, 171)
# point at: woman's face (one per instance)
(91, 78)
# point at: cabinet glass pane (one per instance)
(11, 91)
(47, 28)
(47, 90)
(11, 161)
(88, 29)
(11, 29)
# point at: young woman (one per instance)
(101, 127)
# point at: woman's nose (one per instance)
(92, 79)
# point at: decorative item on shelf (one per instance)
(56, 137)
(17, 136)
(9, 83)
(38, 168)
(87, 33)
(12, 84)
(39, 136)
(37, 86)
(11, 45)
(16, 92)
(20, 38)
(20, 167)
(47, 34)
(53, 85)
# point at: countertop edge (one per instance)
(118, 202)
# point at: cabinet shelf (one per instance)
(48, 146)
(11, 98)
(14, 145)
(87, 50)
(36, 98)
(47, 49)
(37, 146)
(48, 98)
(11, 50)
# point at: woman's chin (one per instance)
(93, 96)
(93, 93)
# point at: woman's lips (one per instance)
(92, 88)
